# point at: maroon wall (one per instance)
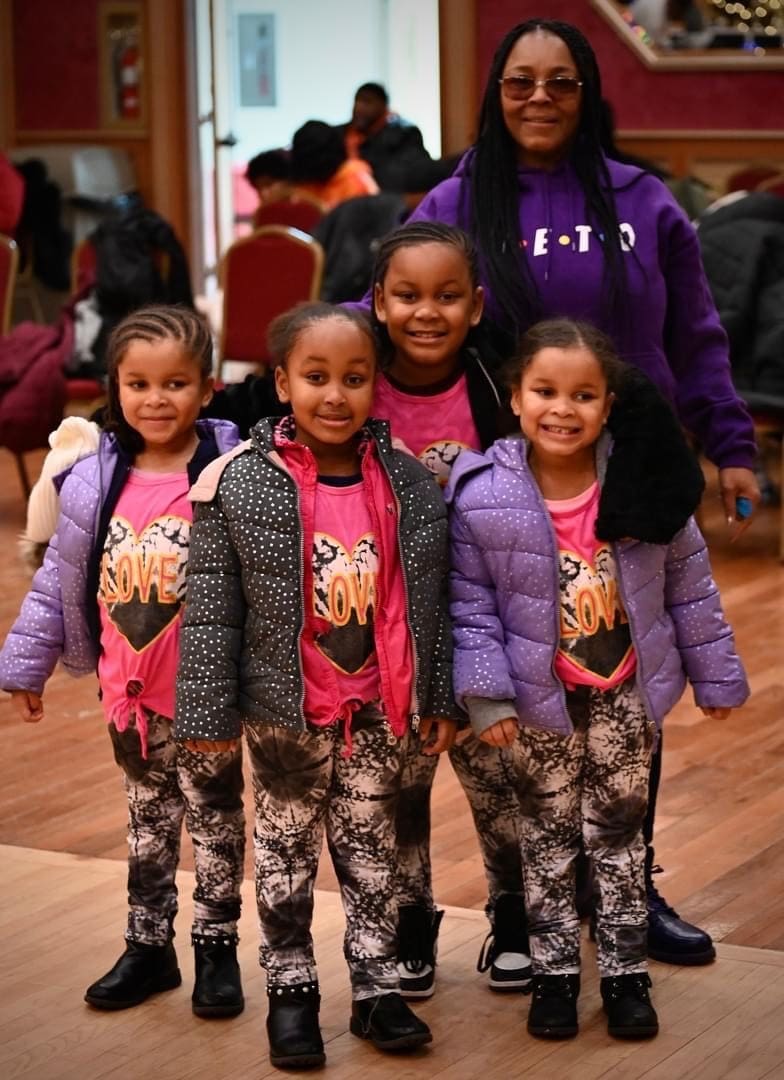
(644, 99)
(56, 78)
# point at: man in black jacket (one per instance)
(392, 147)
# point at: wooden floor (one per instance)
(60, 922)
(720, 838)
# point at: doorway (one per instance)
(264, 67)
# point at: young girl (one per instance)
(110, 594)
(316, 620)
(439, 396)
(570, 651)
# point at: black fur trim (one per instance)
(654, 482)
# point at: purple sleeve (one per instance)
(480, 665)
(703, 637)
(35, 641)
(698, 352)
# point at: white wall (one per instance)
(324, 49)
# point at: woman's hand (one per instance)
(502, 733)
(738, 484)
(437, 733)
(207, 746)
(28, 705)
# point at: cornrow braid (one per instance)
(495, 223)
(153, 323)
(424, 232)
(414, 235)
(565, 334)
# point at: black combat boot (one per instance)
(141, 970)
(217, 991)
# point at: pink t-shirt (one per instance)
(345, 581)
(434, 427)
(141, 590)
(596, 646)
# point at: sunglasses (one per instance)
(521, 87)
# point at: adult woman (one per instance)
(562, 230)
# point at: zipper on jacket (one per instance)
(415, 715)
(638, 679)
(290, 478)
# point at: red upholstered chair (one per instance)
(9, 264)
(263, 275)
(751, 177)
(774, 185)
(298, 212)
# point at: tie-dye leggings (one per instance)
(173, 783)
(594, 785)
(303, 783)
(487, 776)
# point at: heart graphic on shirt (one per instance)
(439, 457)
(595, 631)
(344, 594)
(142, 583)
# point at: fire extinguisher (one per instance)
(130, 81)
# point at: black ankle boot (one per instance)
(505, 949)
(293, 1026)
(630, 1014)
(417, 934)
(672, 940)
(217, 991)
(553, 1012)
(141, 970)
(388, 1022)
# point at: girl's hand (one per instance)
(208, 746)
(28, 705)
(716, 714)
(503, 733)
(738, 484)
(439, 740)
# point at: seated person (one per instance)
(392, 146)
(268, 174)
(320, 166)
(280, 201)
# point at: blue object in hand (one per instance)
(744, 508)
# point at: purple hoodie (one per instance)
(675, 336)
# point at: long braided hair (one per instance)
(495, 222)
(155, 322)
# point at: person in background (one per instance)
(560, 229)
(321, 168)
(392, 147)
(269, 174)
(570, 650)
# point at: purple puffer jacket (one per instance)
(505, 602)
(53, 623)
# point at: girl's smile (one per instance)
(328, 380)
(562, 401)
(428, 305)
